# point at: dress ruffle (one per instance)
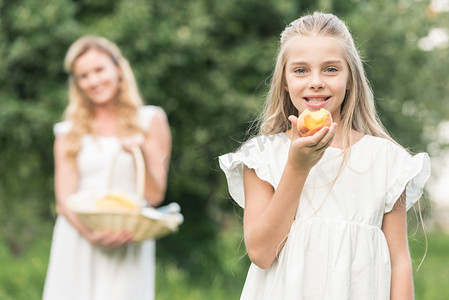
(411, 174)
(232, 165)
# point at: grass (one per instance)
(23, 277)
(432, 278)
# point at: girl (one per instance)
(325, 215)
(104, 117)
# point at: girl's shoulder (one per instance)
(262, 153)
(257, 151)
(375, 143)
(403, 170)
(266, 143)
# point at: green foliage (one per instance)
(388, 42)
(33, 38)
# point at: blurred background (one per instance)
(207, 64)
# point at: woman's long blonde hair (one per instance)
(358, 111)
(80, 110)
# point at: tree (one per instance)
(33, 38)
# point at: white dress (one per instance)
(335, 248)
(79, 270)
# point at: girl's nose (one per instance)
(316, 82)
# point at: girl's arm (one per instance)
(394, 226)
(157, 152)
(269, 214)
(66, 183)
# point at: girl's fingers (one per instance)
(307, 151)
(328, 137)
(323, 138)
(316, 139)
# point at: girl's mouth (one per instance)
(315, 103)
(316, 99)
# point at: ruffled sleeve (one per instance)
(405, 172)
(250, 155)
(62, 128)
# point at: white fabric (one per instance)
(335, 248)
(79, 270)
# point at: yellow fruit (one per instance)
(310, 122)
(115, 201)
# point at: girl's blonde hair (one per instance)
(80, 110)
(357, 111)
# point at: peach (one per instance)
(310, 122)
(115, 201)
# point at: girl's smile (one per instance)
(316, 73)
(316, 102)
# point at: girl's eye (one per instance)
(331, 69)
(99, 69)
(300, 71)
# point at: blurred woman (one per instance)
(105, 118)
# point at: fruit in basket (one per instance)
(115, 201)
(310, 122)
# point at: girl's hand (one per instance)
(305, 152)
(132, 141)
(110, 239)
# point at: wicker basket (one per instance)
(145, 223)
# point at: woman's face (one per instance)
(97, 76)
(316, 74)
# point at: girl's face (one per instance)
(316, 74)
(97, 76)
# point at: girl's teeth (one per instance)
(315, 100)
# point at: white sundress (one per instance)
(79, 270)
(335, 248)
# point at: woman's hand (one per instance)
(110, 239)
(305, 152)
